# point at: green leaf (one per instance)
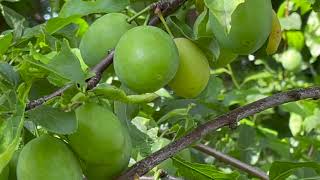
(8, 74)
(67, 65)
(141, 142)
(295, 39)
(213, 90)
(113, 93)
(181, 113)
(5, 42)
(180, 27)
(312, 34)
(82, 8)
(195, 171)
(292, 22)
(13, 19)
(247, 136)
(10, 131)
(222, 10)
(54, 119)
(55, 24)
(312, 122)
(201, 27)
(295, 123)
(282, 170)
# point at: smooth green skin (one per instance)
(291, 60)
(250, 27)
(47, 158)
(13, 165)
(102, 36)
(101, 140)
(146, 59)
(5, 173)
(194, 71)
(225, 58)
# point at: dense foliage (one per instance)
(197, 62)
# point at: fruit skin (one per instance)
(225, 58)
(275, 35)
(194, 71)
(146, 59)
(291, 60)
(101, 140)
(250, 27)
(5, 173)
(13, 165)
(47, 158)
(103, 35)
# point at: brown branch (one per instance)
(167, 8)
(169, 5)
(232, 161)
(231, 119)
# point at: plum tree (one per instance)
(103, 35)
(101, 140)
(146, 59)
(193, 73)
(47, 158)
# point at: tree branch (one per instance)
(231, 118)
(168, 5)
(232, 161)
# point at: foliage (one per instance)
(40, 53)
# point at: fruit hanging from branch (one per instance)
(248, 29)
(100, 141)
(146, 59)
(102, 36)
(47, 158)
(194, 71)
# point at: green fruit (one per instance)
(291, 60)
(13, 165)
(5, 173)
(102, 36)
(101, 140)
(250, 24)
(146, 59)
(193, 73)
(47, 158)
(225, 58)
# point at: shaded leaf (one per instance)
(5, 42)
(53, 119)
(82, 8)
(8, 74)
(282, 170)
(195, 171)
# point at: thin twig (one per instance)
(232, 161)
(231, 118)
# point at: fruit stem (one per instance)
(234, 80)
(139, 14)
(158, 12)
(147, 20)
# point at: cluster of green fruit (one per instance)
(146, 58)
(99, 149)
